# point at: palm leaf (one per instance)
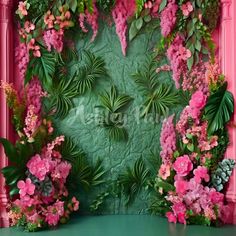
(160, 101)
(88, 74)
(133, 180)
(62, 96)
(219, 109)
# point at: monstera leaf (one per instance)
(219, 109)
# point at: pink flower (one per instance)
(75, 203)
(168, 18)
(164, 171)
(179, 208)
(29, 26)
(181, 186)
(54, 213)
(61, 171)
(201, 173)
(183, 165)
(53, 38)
(187, 8)
(22, 8)
(26, 187)
(171, 217)
(182, 218)
(49, 20)
(216, 197)
(38, 167)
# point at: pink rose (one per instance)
(183, 165)
(171, 217)
(181, 186)
(201, 173)
(197, 102)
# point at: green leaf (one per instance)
(133, 31)
(73, 5)
(10, 150)
(219, 109)
(162, 5)
(139, 23)
(147, 18)
(190, 62)
(14, 191)
(164, 185)
(44, 68)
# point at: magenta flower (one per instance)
(26, 187)
(38, 167)
(171, 217)
(181, 186)
(183, 165)
(201, 173)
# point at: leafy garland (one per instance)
(190, 163)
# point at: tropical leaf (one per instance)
(44, 68)
(62, 96)
(114, 104)
(133, 180)
(160, 101)
(219, 109)
(88, 74)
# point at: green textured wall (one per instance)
(143, 135)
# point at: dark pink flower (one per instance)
(201, 173)
(183, 165)
(181, 186)
(171, 217)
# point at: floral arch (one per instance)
(226, 52)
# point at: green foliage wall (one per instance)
(143, 134)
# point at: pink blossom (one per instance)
(53, 38)
(201, 173)
(216, 197)
(168, 18)
(183, 165)
(75, 203)
(187, 8)
(121, 12)
(49, 19)
(198, 100)
(22, 8)
(178, 55)
(181, 186)
(171, 217)
(168, 139)
(35, 48)
(61, 171)
(26, 187)
(54, 213)
(164, 171)
(38, 167)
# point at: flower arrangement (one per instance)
(192, 175)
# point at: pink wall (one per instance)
(225, 38)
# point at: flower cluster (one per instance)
(42, 194)
(121, 13)
(91, 19)
(168, 18)
(54, 34)
(187, 8)
(178, 55)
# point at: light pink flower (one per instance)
(54, 213)
(22, 8)
(187, 8)
(75, 204)
(201, 173)
(26, 187)
(61, 171)
(29, 26)
(164, 171)
(183, 165)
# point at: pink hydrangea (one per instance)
(197, 102)
(201, 173)
(164, 171)
(53, 38)
(181, 186)
(168, 18)
(26, 187)
(38, 167)
(121, 12)
(178, 55)
(187, 8)
(168, 139)
(183, 165)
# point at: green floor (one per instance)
(125, 226)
